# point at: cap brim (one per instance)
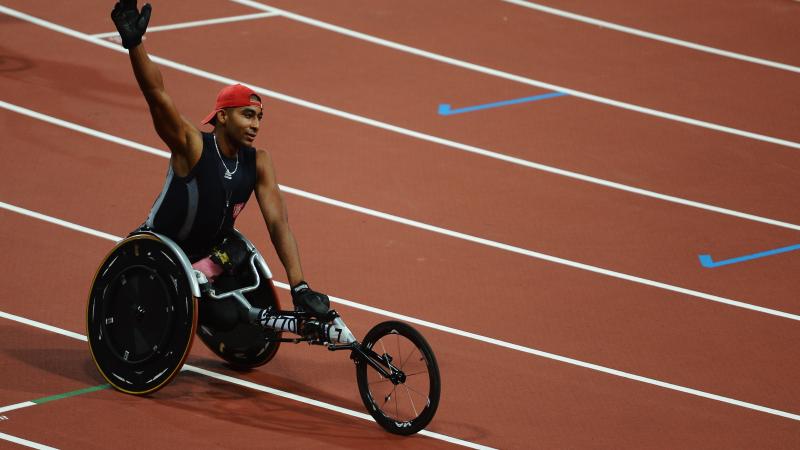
(210, 117)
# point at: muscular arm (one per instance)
(273, 209)
(182, 138)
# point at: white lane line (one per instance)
(196, 23)
(521, 79)
(42, 326)
(654, 36)
(59, 222)
(82, 129)
(532, 351)
(25, 442)
(543, 256)
(239, 382)
(113, 238)
(551, 356)
(399, 130)
(408, 222)
(16, 406)
(320, 404)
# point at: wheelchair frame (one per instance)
(138, 345)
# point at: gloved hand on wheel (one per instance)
(304, 299)
(131, 24)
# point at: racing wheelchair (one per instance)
(147, 302)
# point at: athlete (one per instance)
(212, 175)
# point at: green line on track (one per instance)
(39, 401)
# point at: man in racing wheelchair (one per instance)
(212, 175)
(143, 310)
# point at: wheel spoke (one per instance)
(389, 396)
(396, 409)
(416, 392)
(382, 346)
(403, 363)
(399, 353)
(416, 373)
(416, 414)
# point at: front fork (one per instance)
(381, 363)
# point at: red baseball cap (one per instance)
(233, 96)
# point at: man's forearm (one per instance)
(286, 247)
(147, 73)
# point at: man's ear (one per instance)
(222, 116)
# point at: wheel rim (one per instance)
(141, 316)
(405, 401)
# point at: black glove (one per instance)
(304, 299)
(130, 24)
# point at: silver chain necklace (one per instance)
(228, 174)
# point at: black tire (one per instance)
(141, 315)
(398, 407)
(243, 346)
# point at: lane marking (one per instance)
(446, 110)
(654, 36)
(707, 261)
(399, 130)
(236, 381)
(25, 442)
(196, 23)
(16, 406)
(522, 79)
(51, 398)
(59, 222)
(422, 226)
(40, 401)
(320, 404)
(552, 356)
(396, 219)
(425, 323)
(610, 371)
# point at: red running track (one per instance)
(490, 393)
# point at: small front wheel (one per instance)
(406, 401)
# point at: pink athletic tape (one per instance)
(209, 268)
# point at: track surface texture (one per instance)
(547, 248)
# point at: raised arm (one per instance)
(180, 135)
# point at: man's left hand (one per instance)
(307, 300)
(130, 23)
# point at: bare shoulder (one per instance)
(264, 167)
(263, 159)
(263, 154)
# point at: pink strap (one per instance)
(209, 268)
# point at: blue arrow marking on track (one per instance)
(706, 261)
(445, 109)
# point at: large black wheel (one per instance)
(407, 403)
(242, 345)
(141, 315)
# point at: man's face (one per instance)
(242, 124)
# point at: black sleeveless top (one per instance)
(196, 211)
